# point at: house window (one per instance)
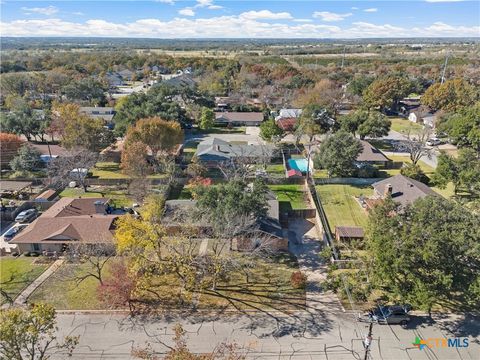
(36, 247)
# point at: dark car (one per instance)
(10, 233)
(392, 315)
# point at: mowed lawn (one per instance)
(340, 205)
(405, 126)
(17, 273)
(63, 293)
(290, 196)
(118, 197)
(108, 170)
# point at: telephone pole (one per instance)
(368, 341)
(444, 69)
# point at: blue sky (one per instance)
(258, 19)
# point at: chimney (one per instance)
(388, 191)
(99, 207)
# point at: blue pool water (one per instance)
(298, 164)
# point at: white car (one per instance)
(433, 142)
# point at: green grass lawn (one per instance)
(118, 197)
(221, 130)
(61, 290)
(276, 170)
(340, 205)
(290, 196)
(180, 192)
(17, 273)
(189, 150)
(398, 161)
(404, 126)
(108, 170)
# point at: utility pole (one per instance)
(444, 69)
(343, 57)
(368, 341)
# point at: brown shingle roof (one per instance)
(349, 231)
(70, 219)
(370, 153)
(287, 124)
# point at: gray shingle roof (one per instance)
(404, 190)
(214, 149)
(370, 153)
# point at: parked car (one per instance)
(10, 233)
(26, 216)
(392, 315)
(434, 142)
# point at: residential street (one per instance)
(326, 335)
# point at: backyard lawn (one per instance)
(61, 291)
(340, 205)
(189, 150)
(118, 197)
(276, 170)
(17, 273)
(398, 162)
(290, 196)
(404, 126)
(108, 170)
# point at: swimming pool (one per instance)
(298, 164)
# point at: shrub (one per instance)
(414, 172)
(367, 171)
(298, 280)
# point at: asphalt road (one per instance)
(307, 335)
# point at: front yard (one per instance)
(118, 197)
(405, 126)
(340, 204)
(17, 273)
(290, 196)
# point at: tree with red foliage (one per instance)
(117, 290)
(9, 146)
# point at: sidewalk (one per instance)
(22, 298)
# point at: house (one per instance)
(372, 155)
(423, 116)
(348, 233)
(113, 152)
(114, 79)
(239, 118)
(288, 113)
(407, 105)
(402, 189)
(126, 74)
(69, 221)
(49, 151)
(214, 151)
(181, 81)
(99, 112)
(47, 195)
(287, 124)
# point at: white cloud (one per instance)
(233, 26)
(79, 13)
(354, 8)
(207, 4)
(370, 10)
(303, 20)
(186, 12)
(169, 2)
(49, 10)
(329, 16)
(265, 14)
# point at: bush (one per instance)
(367, 171)
(298, 280)
(414, 172)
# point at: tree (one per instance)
(73, 166)
(23, 120)
(27, 159)
(452, 95)
(326, 95)
(425, 254)
(195, 168)
(385, 93)
(414, 171)
(461, 171)
(9, 146)
(358, 84)
(338, 153)
(31, 334)
(376, 125)
(117, 290)
(415, 145)
(269, 130)
(463, 126)
(156, 133)
(351, 122)
(85, 90)
(314, 120)
(134, 160)
(207, 118)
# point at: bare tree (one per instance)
(415, 145)
(139, 189)
(72, 166)
(95, 255)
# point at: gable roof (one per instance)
(404, 190)
(239, 116)
(70, 219)
(287, 124)
(289, 113)
(370, 153)
(214, 149)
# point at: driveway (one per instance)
(305, 243)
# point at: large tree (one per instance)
(9, 146)
(385, 93)
(352, 121)
(315, 120)
(452, 95)
(86, 90)
(426, 253)
(337, 154)
(31, 334)
(27, 159)
(376, 125)
(23, 120)
(134, 160)
(207, 118)
(269, 130)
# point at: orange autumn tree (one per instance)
(9, 146)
